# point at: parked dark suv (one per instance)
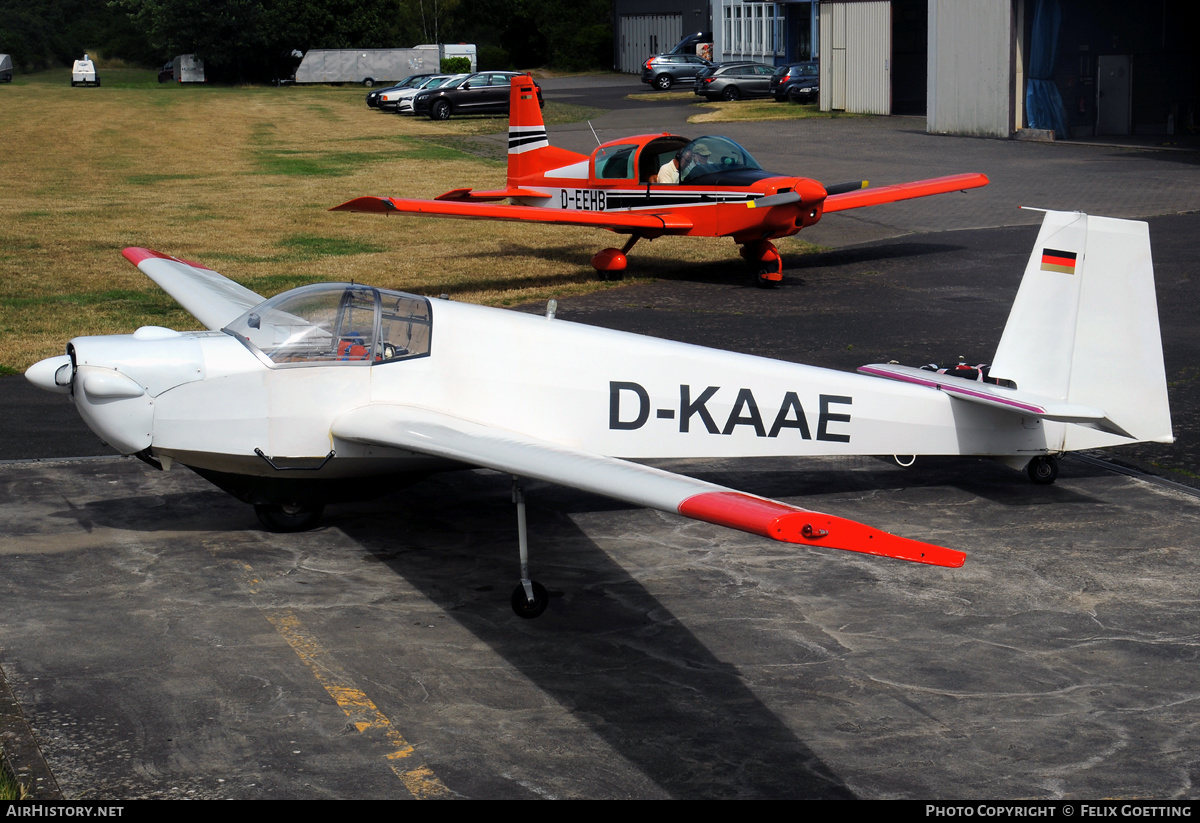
(483, 93)
(665, 70)
(797, 83)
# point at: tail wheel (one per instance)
(289, 518)
(662, 82)
(1043, 470)
(440, 111)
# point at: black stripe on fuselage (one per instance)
(659, 199)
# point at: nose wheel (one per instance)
(766, 262)
(529, 598)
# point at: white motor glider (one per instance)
(284, 399)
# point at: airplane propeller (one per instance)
(784, 198)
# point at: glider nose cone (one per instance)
(52, 374)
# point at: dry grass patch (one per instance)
(753, 111)
(241, 179)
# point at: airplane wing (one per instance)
(214, 300)
(903, 191)
(443, 435)
(473, 210)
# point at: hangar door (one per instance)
(856, 57)
(642, 35)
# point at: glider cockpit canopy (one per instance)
(336, 323)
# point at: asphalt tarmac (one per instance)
(156, 643)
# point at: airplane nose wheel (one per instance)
(766, 262)
(529, 598)
(1043, 470)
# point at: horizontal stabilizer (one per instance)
(1001, 397)
(214, 300)
(443, 435)
(903, 191)
(618, 221)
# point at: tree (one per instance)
(253, 39)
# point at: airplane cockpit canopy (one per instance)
(337, 323)
(709, 155)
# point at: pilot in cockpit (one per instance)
(690, 158)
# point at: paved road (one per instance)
(158, 645)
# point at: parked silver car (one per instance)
(665, 70)
(735, 81)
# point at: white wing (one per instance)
(214, 300)
(443, 435)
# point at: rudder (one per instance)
(529, 151)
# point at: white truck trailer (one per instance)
(371, 66)
(188, 68)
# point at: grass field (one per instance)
(240, 179)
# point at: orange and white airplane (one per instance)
(651, 185)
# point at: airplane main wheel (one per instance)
(440, 111)
(285, 519)
(764, 278)
(523, 607)
(1043, 470)
(662, 82)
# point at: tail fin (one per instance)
(530, 154)
(1084, 327)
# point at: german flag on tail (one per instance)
(1062, 262)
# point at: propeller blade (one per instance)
(774, 200)
(842, 188)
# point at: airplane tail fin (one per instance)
(1084, 329)
(529, 151)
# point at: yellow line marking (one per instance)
(418, 778)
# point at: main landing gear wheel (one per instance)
(529, 598)
(523, 606)
(1043, 470)
(610, 263)
(288, 518)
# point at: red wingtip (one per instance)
(371, 205)
(791, 524)
(136, 255)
